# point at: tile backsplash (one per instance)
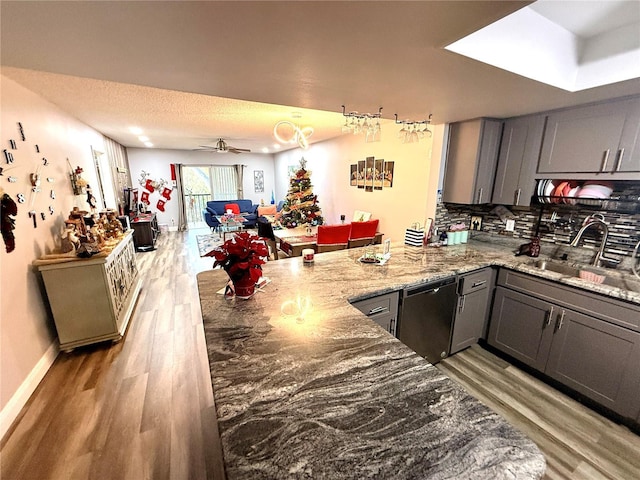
(558, 228)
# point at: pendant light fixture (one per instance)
(290, 133)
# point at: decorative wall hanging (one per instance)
(13, 145)
(361, 173)
(258, 181)
(377, 174)
(151, 186)
(388, 174)
(368, 175)
(78, 184)
(372, 174)
(9, 210)
(21, 131)
(8, 156)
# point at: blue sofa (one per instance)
(216, 207)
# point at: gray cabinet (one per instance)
(533, 322)
(597, 359)
(602, 138)
(520, 327)
(471, 161)
(382, 309)
(474, 293)
(519, 151)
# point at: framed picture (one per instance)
(387, 173)
(368, 174)
(476, 222)
(386, 247)
(378, 173)
(353, 177)
(258, 181)
(361, 173)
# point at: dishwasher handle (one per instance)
(428, 287)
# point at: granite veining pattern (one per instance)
(333, 395)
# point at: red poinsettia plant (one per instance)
(242, 254)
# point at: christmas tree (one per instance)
(301, 205)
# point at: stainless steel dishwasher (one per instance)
(426, 318)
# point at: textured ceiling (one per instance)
(157, 65)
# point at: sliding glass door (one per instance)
(207, 182)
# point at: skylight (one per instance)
(572, 45)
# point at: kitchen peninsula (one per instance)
(332, 395)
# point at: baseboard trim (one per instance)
(19, 399)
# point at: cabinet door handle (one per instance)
(518, 192)
(547, 320)
(461, 304)
(480, 195)
(605, 159)
(373, 311)
(619, 163)
(478, 284)
(392, 326)
(560, 321)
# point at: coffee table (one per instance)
(230, 225)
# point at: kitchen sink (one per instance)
(590, 274)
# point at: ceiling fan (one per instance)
(222, 147)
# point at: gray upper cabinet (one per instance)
(471, 161)
(519, 152)
(598, 139)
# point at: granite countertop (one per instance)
(333, 395)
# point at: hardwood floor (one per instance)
(143, 408)
(577, 442)
(139, 409)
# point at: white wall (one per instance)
(411, 199)
(28, 341)
(157, 162)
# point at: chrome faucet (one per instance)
(596, 220)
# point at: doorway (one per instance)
(207, 182)
(197, 191)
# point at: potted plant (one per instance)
(241, 257)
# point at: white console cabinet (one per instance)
(92, 299)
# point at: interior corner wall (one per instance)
(28, 343)
(157, 162)
(411, 199)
